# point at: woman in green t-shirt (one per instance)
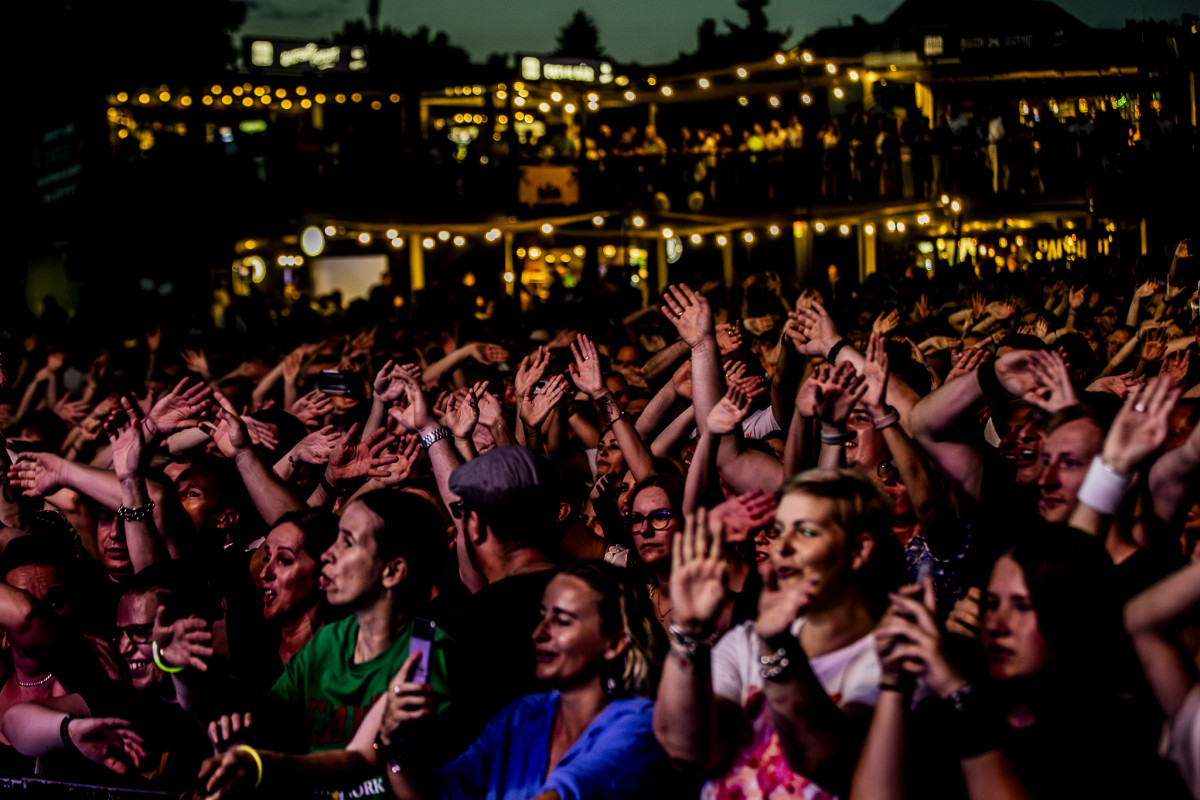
(389, 551)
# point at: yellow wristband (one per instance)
(158, 661)
(257, 762)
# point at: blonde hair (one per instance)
(624, 610)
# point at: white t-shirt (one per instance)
(1181, 741)
(759, 769)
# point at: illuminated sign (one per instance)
(300, 56)
(580, 70)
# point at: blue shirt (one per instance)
(616, 756)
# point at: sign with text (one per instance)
(579, 70)
(295, 55)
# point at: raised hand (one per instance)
(1154, 345)
(968, 361)
(186, 642)
(1056, 392)
(316, 446)
(388, 385)
(530, 370)
(486, 353)
(196, 361)
(37, 474)
(806, 396)
(586, 369)
(1175, 366)
(681, 381)
(910, 640)
(1141, 426)
(231, 435)
(921, 310)
(406, 703)
(1146, 289)
(964, 619)
(107, 740)
(416, 414)
(490, 410)
(816, 328)
(535, 408)
(260, 433)
(352, 459)
(839, 393)
(232, 772)
(70, 410)
(408, 453)
(978, 307)
(780, 605)
(740, 516)
(180, 408)
(1114, 384)
(1002, 309)
(875, 372)
(688, 311)
(312, 407)
(886, 322)
(1076, 297)
(729, 337)
(699, 576)
(360, 344)
(127, 441)
(733, 407)
(229, 730)
(463, 412)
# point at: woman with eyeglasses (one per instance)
(653, 520)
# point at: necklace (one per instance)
(40, 682)
(656, 602)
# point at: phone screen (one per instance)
(330, 381)
(422, 642)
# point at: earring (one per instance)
(610, 686)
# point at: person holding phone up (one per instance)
(590, 736)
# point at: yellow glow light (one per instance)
(593, 106)
(666, 90)
(870, 230)
(923, 219)
(593, 97)
(392, 233)
(543, 107)
(397, 242)
(831, 68)
(630, 96)
(339, 98)
(164, 97)
(306, 103)
(579, 251)
(722, 240)
(807, 56)
(609, 251)
(301, 91)
(547, 229)
(143, 98)
(667, 233)
(535, 253)
(520, 252)
(122, 97)
(780, 58)
(444, 235)
(247, 101)
(697, 238)
(597, 220)
(741, 72)
(185, 101)
(743, 100)
(208, 101)
(492, 235)
(509, 277)
(704, 83)
(806, 99)
(556, 97)
(956, 206)
(281, 93)
(364, 237)
(375, 104)
(844, 230)
(638, 222)
(330, 230)
(891, 225)
(774, 101)
(900, 227)
(427, 243)
(838, 93)
(284, 104)
(569, 108)
(122, 134)
(749, 237)
(820, 227)
(459, 241)
(520, 101)
(945, 199)
(356, 97)
(237, 91)
(550, 259)
(320, 98)
(773, 230)
(853, 74)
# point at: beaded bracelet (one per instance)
(135, 514)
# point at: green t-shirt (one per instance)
(336, 693)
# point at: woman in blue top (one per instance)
(590, 737)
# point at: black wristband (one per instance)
(64, 734)
(329, 488)
(837, 348)
(989, 383)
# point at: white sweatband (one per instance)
(1103, 488)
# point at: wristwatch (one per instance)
(435, 436)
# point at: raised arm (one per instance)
(587, 376)
(1151, 620)
(270, 495)
(145, 545)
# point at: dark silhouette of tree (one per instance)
(579, 38)
(750, 42)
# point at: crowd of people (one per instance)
(936, 537)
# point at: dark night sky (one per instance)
(646, 31)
